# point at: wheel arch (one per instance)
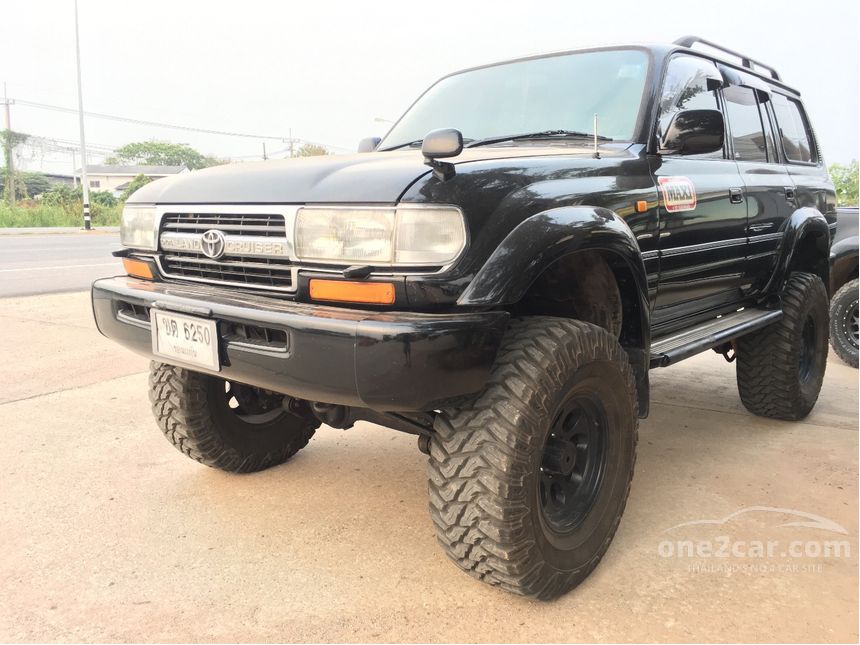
(805, 247)
(559, 240)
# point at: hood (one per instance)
(357, 178)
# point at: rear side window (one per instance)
(690, 84)
(793, 129)
(745, 122)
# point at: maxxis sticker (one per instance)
(679, 193)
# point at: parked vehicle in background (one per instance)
(497, 275)
(844, 330)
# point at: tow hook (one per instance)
(728, 350)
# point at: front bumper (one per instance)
(386, 361)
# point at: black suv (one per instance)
(497, 276)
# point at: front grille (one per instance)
(270, 273)
(257, 225)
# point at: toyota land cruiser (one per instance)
(497, 275)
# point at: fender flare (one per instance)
(542, 239)
(843, 262)
(802, 224)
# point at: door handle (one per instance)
(736, 196)
(755, 228)
(789, 193)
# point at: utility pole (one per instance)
(291, 142)
(8, 145)
(265, 158)
(84, 183)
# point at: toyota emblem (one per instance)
(212, 244)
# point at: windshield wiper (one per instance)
(408, 144)
(545, 134)
(418, 142)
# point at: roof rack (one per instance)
(746, 61)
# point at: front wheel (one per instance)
(781, 367)
(528, 481)
(227, 425)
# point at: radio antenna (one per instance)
(596, 153)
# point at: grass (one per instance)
(27, 215)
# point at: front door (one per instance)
(703, 212)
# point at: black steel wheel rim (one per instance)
(573, 462)
(851, 324)
(252, 405)
(807, 349)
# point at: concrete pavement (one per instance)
(49, 263)
(109, 533)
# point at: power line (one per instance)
(113, 117)
(157, 124)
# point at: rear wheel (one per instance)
(227, 425)
(844, 323)
(781, 368)
(528, 481)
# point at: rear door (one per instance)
(804, 163)
(703, 214)
(768, 188)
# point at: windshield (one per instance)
(554, 93)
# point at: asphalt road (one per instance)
(111, 534)
(34, 264)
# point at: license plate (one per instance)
(185, 339)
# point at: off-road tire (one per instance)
(485, 464)
(843, 322)
(191, 411)
(781, 367)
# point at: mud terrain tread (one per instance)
(843, 298)
(767, 373)
(479, 457)
(180, 405)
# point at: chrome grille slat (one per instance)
(241, 228)
(193, 259)
(266, 225)
(255, 271)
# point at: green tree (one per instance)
(133, 185)
(102, 198)
(8, 140)
(311, 150)
(35, 182)
(844, 178)
(21, 191)
(162, 153)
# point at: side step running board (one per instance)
(680, 345)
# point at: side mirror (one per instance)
(693, 132)
(439, 144)
(368, 144)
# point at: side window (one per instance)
(767, 121)
(691, 84)
(793, 129)
(745, 123)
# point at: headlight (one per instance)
(407, 235)
(139, 227)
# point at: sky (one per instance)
(331, 72)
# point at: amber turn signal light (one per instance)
(641, 206)
(137, 268)
(374, 293)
